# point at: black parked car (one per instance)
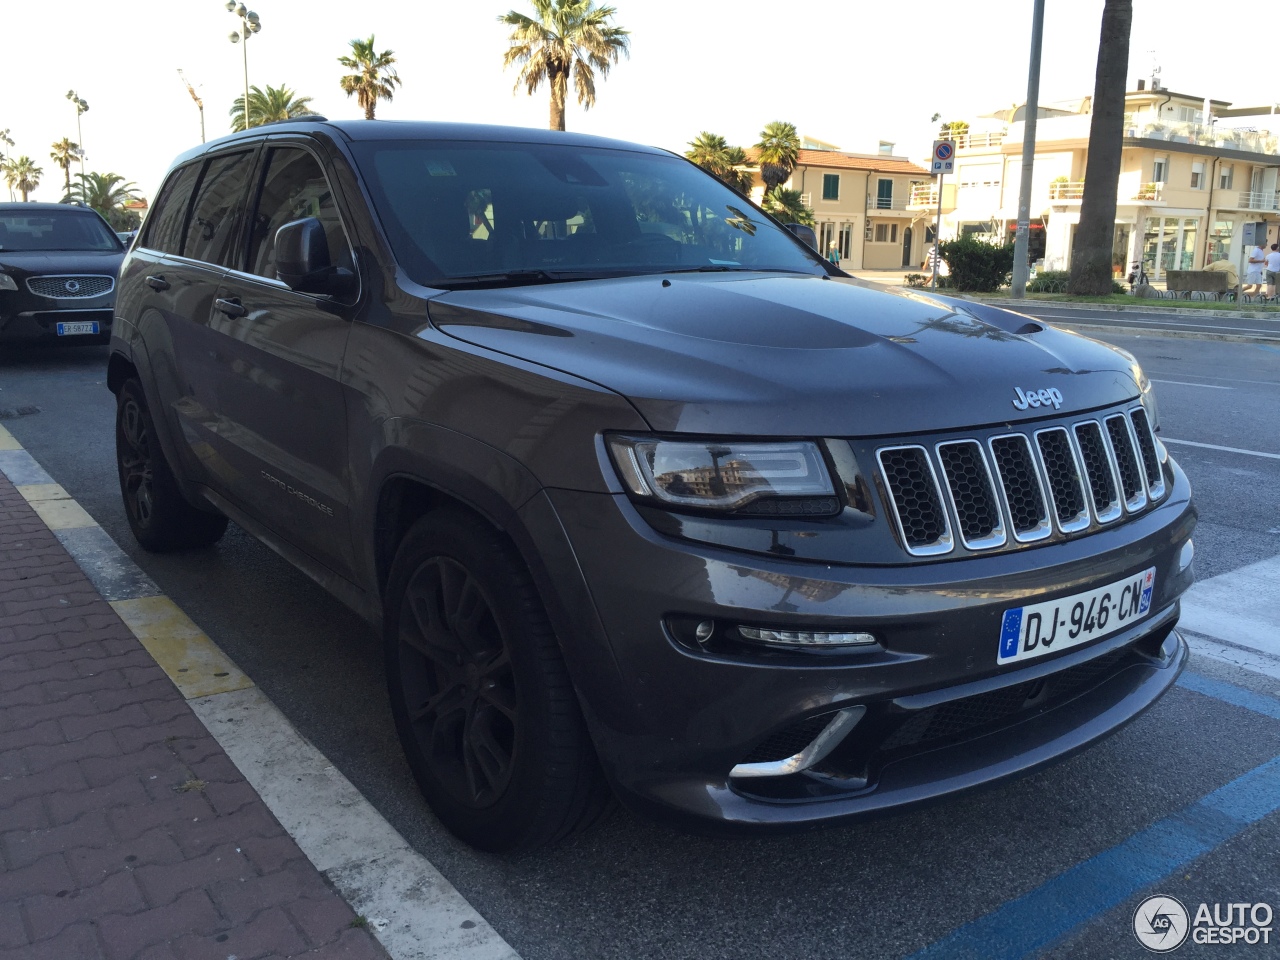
(644, 494)
(58, 267)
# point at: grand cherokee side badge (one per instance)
(1038, 398)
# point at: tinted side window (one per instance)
(211, 230)
(293, 187)
(164, 226)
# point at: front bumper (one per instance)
(671, 721)
(27, 318)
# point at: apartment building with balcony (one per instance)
(861, 204)
(1193, 173)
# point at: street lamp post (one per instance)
(82, 107)
(6, 139)
(249, 25)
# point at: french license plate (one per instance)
(1041, 628)
(73, 329)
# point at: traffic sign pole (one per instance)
(1022, 238)
(944, 152)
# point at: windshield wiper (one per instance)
(513, 278)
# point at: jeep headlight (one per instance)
(7, 282)
(790, 476)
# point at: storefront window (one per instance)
(1120, 249)
(1220, 239)
(1169, 243)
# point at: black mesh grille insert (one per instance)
(1018, 477)
(1126, 458)
(1060, 468)
(1097, 467)
(906, 470)
(1147, 446)
(975, 500)
(949, 720)
(787, 743)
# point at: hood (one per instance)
(784, 355)
(21, 262)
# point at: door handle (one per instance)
(232, 307)
(157, 283)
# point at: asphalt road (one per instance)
(1187, 324)
(632, 889)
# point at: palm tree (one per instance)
(1095, 236)
(786, 206)
(107, 193)
(713, 154)
(64, 154)
(375, 78)
(779, 150)
(22, 175)
(276, 103)
(565, 37)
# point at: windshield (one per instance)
(71, 230)
(523, 213)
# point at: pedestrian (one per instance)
(1273, 270)
(1253, 271)
(1233, 275)
(833, 254)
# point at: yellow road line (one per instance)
(193, 661)
(32, 492)
(62, 514)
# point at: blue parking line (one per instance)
(1230, 693)
(1027, 925)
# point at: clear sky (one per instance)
(847, 71)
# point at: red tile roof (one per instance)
(852, 161)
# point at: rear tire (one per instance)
(159, 516)
(487, 716)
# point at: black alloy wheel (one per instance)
(456, 669)
(159, 516)
(487, 716)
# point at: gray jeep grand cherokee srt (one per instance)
(645, 496)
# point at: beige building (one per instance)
(860, 202)
(1187, 187)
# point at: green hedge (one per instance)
(975, 265)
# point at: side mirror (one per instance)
(302, 260)
(804, 233)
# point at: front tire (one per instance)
(159, 516)
(482, 701)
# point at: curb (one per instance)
(412, 910)
(1124, 308)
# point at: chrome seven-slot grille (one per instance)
(70, 288)
(1022, 486)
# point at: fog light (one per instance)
(805, 638)
(704, 631)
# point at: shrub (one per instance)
(1050, 281)
(977, 265)
(916, 280)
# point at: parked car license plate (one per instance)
(72, 329)
(1041, 628)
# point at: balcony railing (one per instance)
(924, 195)
(976, 141)
(888, 203)
(1149, 191)
(1250, 141)
(1259, 200)
(1066, 190)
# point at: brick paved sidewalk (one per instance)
(124, 829)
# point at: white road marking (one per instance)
(1214, 446)
(1184, 383)
(417, 914)
(1237, 617)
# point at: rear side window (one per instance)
(165, 225)
(293, 187)
(212, 226)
